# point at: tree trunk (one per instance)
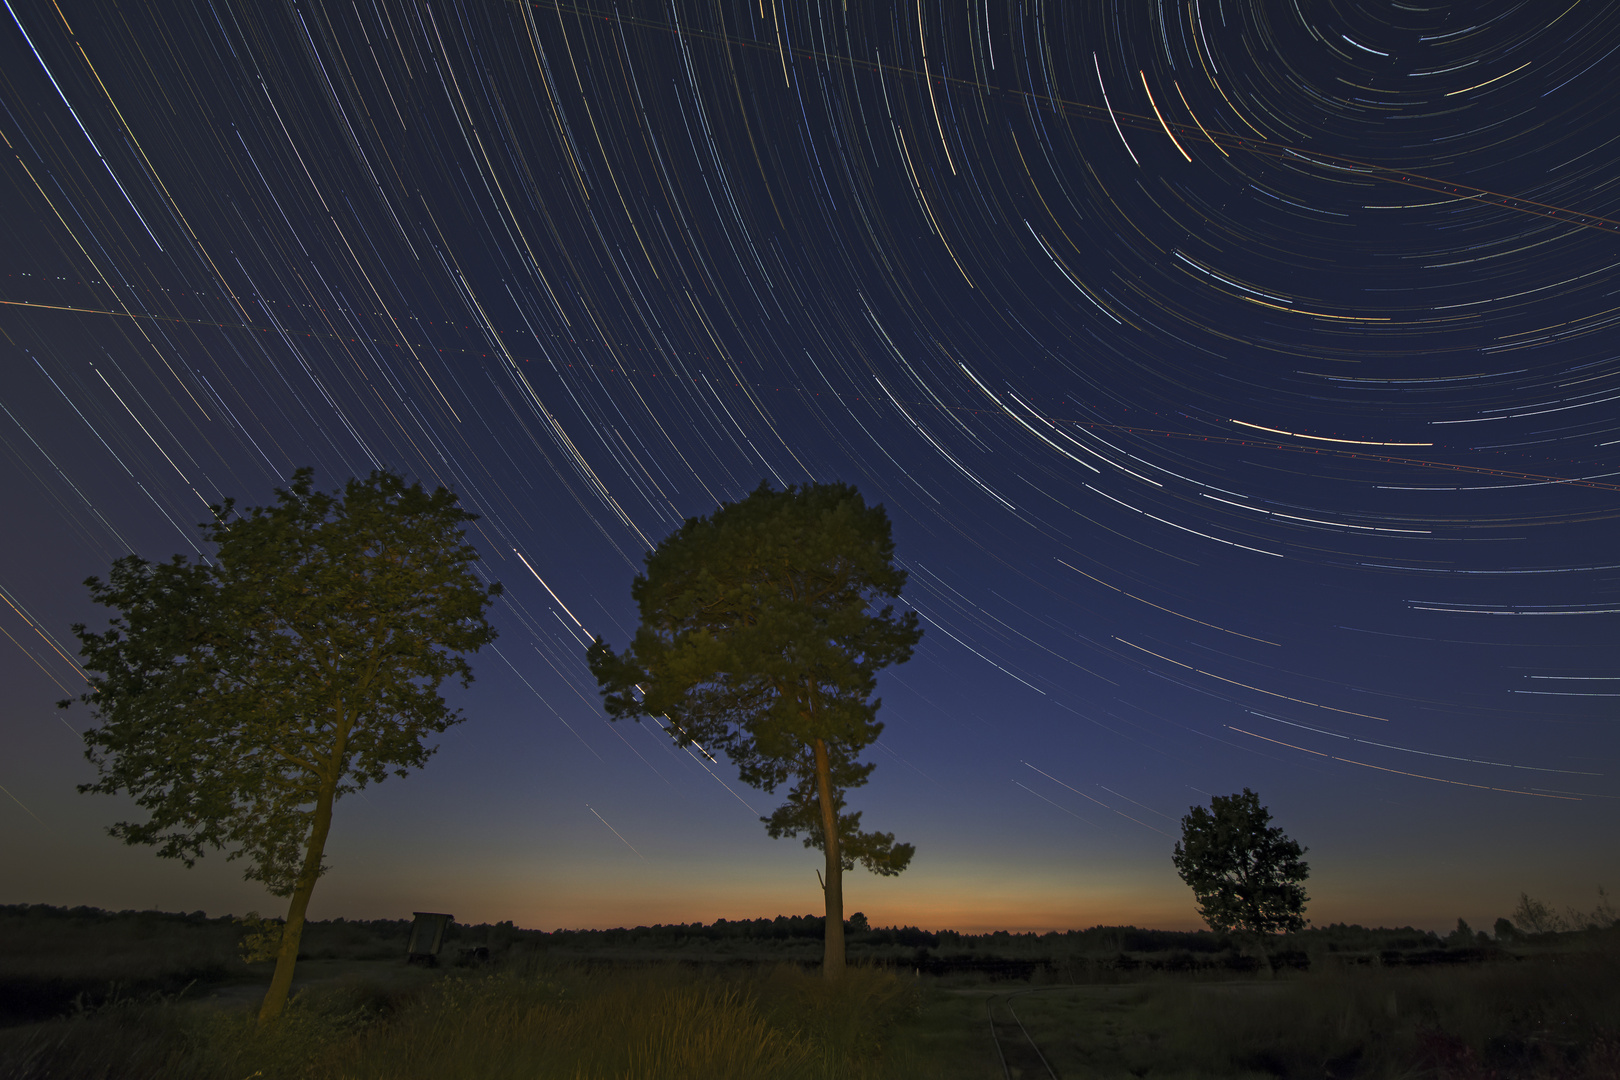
(275, 999)
(832, 954)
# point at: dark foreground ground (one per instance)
(88, 994)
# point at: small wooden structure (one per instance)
(427, 935)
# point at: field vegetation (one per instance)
(91, 995)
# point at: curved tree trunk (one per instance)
(832, 954)
(275, 999)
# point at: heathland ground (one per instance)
(90, 994)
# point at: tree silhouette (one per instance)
(1534, 917)
(240, 697)
(1243, 871)
(756, 639)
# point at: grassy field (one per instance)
(1512, 1019)
(533, 1020)
(180, 1005)
(1550, 1018)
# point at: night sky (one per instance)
(1239, 377)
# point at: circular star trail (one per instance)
(1239, 376)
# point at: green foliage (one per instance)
(801, 813)
(241, 697)
(261, 938)
(757, 639)
(305, 655)
(1243, 871)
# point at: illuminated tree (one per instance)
(757, 638)
(241, 696)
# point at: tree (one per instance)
(1243, 871)
(240, 697)
(757, 639)
(1463, 937)
(1534, 917)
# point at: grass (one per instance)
(1530, 1019)
(660, 1022)
(54, 960)
(1547, 1013)
(48, 963)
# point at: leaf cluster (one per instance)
(801, 814)
(1244, 872)
(307, 653)
(261, 938)
(757, 638)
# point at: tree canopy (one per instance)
(240, 696)
(758, 639)
(1243, 871)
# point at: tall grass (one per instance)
(1553, 1017)
(661, 1022)
(1531, 1019)
(122, 1042)
(654, 1023)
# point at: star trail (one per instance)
(1239, 376)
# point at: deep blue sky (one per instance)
(1241, 388)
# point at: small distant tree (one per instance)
(1244, 872)
(758, 638)
(1534, 917)
(1602, 917)
(241, 696)
(1506, 931)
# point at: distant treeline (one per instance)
(781, 929)
(1097, 940)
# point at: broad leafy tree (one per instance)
(1243, 871)
(760, 637)
(240, 696)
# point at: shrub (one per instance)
(1534, 917)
